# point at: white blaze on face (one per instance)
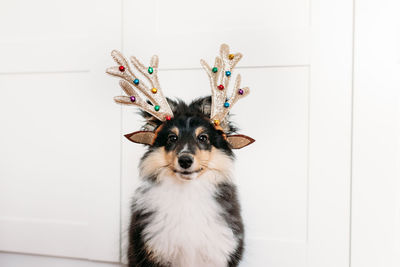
(185, 149)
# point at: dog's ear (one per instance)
(239, 140)
(142, 137)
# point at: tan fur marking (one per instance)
(199, 130)
(201, 159)
(221, 163)
(154, 164)
(170, 158)
(175, 130)
(219, 128)
(215, 161)
(156, 133)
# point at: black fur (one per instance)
(227, 197)
(137, 255)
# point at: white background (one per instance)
(319, 188)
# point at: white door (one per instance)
(59, 137)
(294, 181)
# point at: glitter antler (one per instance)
(219, 77)
(135, 89)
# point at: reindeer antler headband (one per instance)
(157, 105)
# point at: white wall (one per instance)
(375, 222)
(323, 188)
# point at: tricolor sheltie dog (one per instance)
(186, 212)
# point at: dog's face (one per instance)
(185, 148)
(188, 146)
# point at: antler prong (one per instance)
(151, 73)
(154, 61)
(133, 99)
(122, 99)
(127, 88)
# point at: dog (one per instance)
(186, 211)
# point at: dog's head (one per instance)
(189, 144)
(185, 141)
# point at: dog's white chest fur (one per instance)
(186, 228)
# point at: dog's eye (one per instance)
(172, 138)
(202, 138)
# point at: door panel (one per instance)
(59, 138)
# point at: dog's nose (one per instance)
(185, 161)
